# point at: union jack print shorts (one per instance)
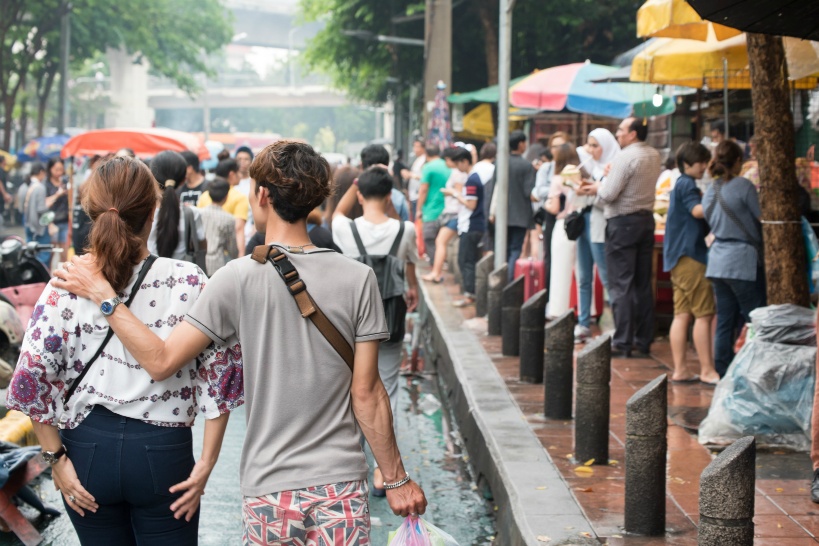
(324, 515)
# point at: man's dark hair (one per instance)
(225, 167)
(296, 176)
(191, 159)
(374, 154)
(375, 182)
(515, 139)
(218, 190)
(458, 154)
(719, 126)
(37, 168)
(488, 151)
(245, 149)
(639, 126)
(432, 150)
(691, 153)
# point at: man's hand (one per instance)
(407, 499)
(588, 189)
(411, 298)
(7, 198)
(607, 169)
(82, 276)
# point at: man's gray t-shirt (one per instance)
(301, 430)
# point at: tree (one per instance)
(325, 140)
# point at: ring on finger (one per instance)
(71, 498)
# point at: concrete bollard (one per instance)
(496, 283)
(592, 401)
(727, 497)
(558, 366)
(482, 270)
(532, 338)
(646, 447)
(511, 301)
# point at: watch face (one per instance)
(48, 457)
(107, 308)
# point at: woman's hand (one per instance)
(82, 276)
(194, 487)
(66, 481)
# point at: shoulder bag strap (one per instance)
(190, 231)
(141, 277)
(733, 217)
(307, 307)
(357, 236)
(397, 242)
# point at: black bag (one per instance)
(389, 271)
(193, 251)
(575, 223)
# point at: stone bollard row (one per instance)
(558, 367)
(496, 283)
(532, 338)
(592, 401)
(511, 302)
(482, 270)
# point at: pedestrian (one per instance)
(735, 262)
(685, 255)
(401, 172)
(236, 204)
(471, 225)
(628, 194)
(319, 235)
(376, 234)
(561, 203)
(244, 157)
(5, 197)
(434, 176)
(519, 213)
(118, 441)
(485, 167)
(169, 237)
(20, 200)
(303, 473)
(57, 202)
(35, 206)
(814, 447)
(543, 181)
(195, 184)
(218, 224)
(414, 181)
(449, 217)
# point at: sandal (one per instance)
(693, 379)
(432, 279)
(465, 302)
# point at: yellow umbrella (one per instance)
(677, 19)
(693, 63)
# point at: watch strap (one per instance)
(55, 455)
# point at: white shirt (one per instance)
(244, 186)
(66, 331)
(485, 170)
(179, 251)
(415, 180)
(377, 238)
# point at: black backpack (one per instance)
(389, 271)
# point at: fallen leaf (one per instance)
(541, 488)
(585, 534)
(779, 490)
(678, 480)
(552, 447)
(584, 470)
(569, 527)
(543, 538)
(589, 462)
(585, 489)
(779, 525)
(613, 462)
(616, 536)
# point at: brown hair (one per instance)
(119, 198)
(297, 177)
(726, 156)
(567, 155)
(560, 134)
(342, 180)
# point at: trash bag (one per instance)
(812, 250)
(789, 324)
(417, 532)
(767, 393)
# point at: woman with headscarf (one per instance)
(600, 148)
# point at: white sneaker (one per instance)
(581, 334)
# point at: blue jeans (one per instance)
(128, 466)
(514, 245)
(598, 250)
(44, 239)
(585, 272)
(735, 301)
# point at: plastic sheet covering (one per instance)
(767, 393)
(788, 324)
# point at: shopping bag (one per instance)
(414, 531)
(419, 237)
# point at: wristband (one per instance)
(397, 484)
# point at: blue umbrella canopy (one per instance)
(43, 148)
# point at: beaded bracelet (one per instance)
(397, 484)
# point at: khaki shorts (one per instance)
(692, 291)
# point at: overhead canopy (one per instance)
(489, 94)
(43, 148)
(144, 142)
(676, 19)
(778, 17)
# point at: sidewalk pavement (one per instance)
(784, 512)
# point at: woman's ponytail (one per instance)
(169, 169)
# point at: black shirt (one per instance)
(60, 206)
(190, 196)
(319, 236)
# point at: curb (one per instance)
(535, 506)
(16, 428)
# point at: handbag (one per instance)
(575, 223)
(141, 277)
(193, 252)
(307, 306)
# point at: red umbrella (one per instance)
(144, 142)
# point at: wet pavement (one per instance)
(433, 456)
(784, 513)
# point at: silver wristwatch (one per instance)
(51, 457)
(108, 306)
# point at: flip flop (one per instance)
(710, 383)
(439, 280)
(692, 379)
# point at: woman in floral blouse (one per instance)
(120, 445)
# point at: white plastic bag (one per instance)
(414, 531)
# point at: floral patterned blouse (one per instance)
(66, 331)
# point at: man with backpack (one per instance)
(388, 246)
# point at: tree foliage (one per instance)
(545, 34)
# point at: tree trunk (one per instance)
(43, 92)
(488, 13)
(785, 260)
(8, 110)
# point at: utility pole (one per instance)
(502, 158)
(437, 50)
(65, 47)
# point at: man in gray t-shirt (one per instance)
(306, 409)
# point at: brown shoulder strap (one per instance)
(307, 306)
